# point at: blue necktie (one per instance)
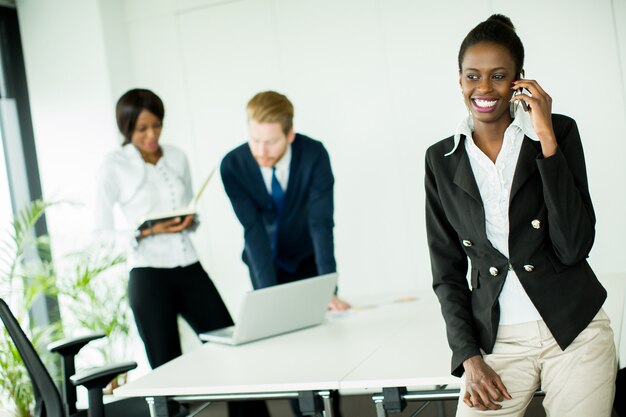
(278, 195)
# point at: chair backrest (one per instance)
(47, 395)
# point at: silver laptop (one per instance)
(278, 309)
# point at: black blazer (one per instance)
(305, 228)
(550, 260)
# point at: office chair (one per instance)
(48, 402)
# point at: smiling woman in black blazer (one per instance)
(509, 192)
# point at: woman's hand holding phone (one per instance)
(525, 106)
(538, 104)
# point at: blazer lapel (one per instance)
(464, 176)
(526, 165)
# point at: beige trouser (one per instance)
(578, 382)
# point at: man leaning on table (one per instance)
(280, 184)
(281, 187)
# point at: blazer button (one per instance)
(467, 243)
(529, 268)
(494, 271)
(536, 224)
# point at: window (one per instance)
(19, 180)
(6, 212)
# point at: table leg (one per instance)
(328, 403)
(309, 403)
(380, 408)
(158, 406)
(441, 409)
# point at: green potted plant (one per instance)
(88, 286)
(19, 257)
(93, 293)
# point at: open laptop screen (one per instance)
(279, 309)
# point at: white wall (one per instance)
(375, 80)
(619, 13)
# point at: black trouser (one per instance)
(158, 295)
(306, 269)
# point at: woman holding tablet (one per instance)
(166, 278)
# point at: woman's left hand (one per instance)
(186, 223)
(539, 105)
(174, 225)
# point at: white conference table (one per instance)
(413, 364)
(395, 346)
(415, 356)
(311, 360)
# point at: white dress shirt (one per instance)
(494, 183)
(138, 189)
(282, 172)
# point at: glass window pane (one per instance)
(6, 212)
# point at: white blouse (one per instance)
(138, 188)
(494, 182)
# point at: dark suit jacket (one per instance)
(305, 227)
(561, 284)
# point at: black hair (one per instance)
(130, 105)
(500, 30)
